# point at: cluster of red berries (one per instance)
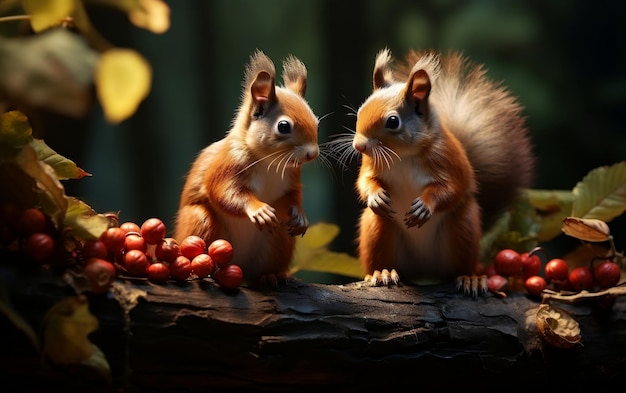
(28, 231)
(510, 267)
(126, 250)
(145, 251)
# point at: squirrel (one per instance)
(448, 148)
(246, 188)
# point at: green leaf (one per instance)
(552, 207)
(601, 194)
(63, 167)
(15, 130)
(84, 221)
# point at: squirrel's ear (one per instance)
(383, 75)
(294, 75)
(263, 91)
(417, 90)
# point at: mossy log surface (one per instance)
(197, 337)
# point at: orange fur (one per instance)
(246, 188)
(435, 136)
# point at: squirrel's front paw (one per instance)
(263, 217)
(380, 203)
(298, 223)
(418, 214)
(379, 278)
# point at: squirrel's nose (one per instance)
(312, 152)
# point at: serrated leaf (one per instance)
(601, 194)
(84, 221)
(48, 13)
(65, 330)
(16, 319)
(123, 80)
(63, 167)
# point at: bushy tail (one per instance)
(488, 121)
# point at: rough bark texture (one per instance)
(197, 337)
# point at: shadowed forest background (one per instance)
(566, 61)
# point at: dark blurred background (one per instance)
(565, 60)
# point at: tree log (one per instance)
(198, 337)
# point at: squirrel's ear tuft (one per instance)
(294, 75)
(260, 82)
(383, 74)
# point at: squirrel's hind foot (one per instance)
(472, 285)
(381, 278)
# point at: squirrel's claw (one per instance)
(382, 278)
(380, 203)
(472, 285)
(298, 223)
(264, 217)
(418, 214)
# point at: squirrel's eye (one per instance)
(283, 127)
(393, 122)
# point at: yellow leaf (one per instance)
(152, 15)
(48, 13)
(66, 327)
(15, 129)
(319, 235)
(123, 79)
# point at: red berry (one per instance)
(158, 272)
(94, 249)
(30, 221)
(508, 262)
(113, 239)
(130, 226)
(100, 274)
(580, 278)
(221, 251)
(180, 268)
(556, 270)
(202, 265)
(497, 284)
(535, 285)
(192, 245)
(531, 265)
(134, 241)
(39, 246)
(229, 276)
(153, 230)
(136, 262)
(607, 274)
(167, 250)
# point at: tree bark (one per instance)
(198, 337)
